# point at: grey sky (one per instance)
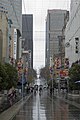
(39, 10)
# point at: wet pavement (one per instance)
(43, 107)
(76, 99)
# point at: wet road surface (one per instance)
(43, 107)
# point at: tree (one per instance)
(45, 73)
(12, 75)
(3, 77)
(74, 74)
(34, 72)
(31, 75)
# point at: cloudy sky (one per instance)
(39, 10)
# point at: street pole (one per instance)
(29, 58)
(52, 72)
(24, 53)
(59, 87)
(52, 85)
(22, 79)
(22, 84)
(23, 74)
(68, 85)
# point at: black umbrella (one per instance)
(77, 81)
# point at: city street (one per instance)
(43, 107)
(40, 60)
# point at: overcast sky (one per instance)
(39, 10)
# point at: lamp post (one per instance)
(20, 72)
(22, 82)
(29, 51)
(52, 71)
(24, 53)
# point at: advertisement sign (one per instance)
(15, 44)
(22, 72)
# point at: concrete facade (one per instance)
(3, 36)
(14, 9)
(72, 33)
(54, 25)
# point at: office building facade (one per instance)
(27, 35)
(72, 33)
(14, 9)
(3, 36)
(54, 25)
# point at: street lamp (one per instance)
(24, 53)
(52, 70)
(29, 51)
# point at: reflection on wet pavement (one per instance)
(38, 110)
(44, 108)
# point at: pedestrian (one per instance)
(10, 98)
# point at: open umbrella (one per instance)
(77, 81)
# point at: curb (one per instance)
(74, 95)
(10, 113)
(69, 102)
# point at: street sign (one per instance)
(67, 44)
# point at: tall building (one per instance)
(54, 25)
(3, 35)
(72, 33)
(27, 34)
(14, 9)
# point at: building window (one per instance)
(77, 45)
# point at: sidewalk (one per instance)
(74, 95)
(75, 100)
(0, 99)
(5, 103)
(12, 111)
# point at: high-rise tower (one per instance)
(27, 34)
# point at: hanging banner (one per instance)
(57, 62)
(66, 63)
